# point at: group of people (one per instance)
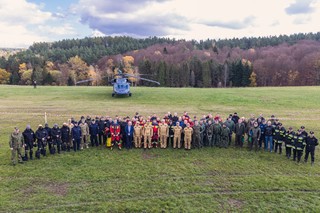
(169, 131)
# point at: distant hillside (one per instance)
(263, 61)
(92, 49)
(184, 65)
(6, 52)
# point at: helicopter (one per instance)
(121, 83)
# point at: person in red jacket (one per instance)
(115, 134)
(155, 134)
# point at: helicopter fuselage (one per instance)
(121, 86)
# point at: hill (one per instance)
(204, 180)
(271, 61)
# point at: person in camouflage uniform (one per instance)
(231, 125)
(255, 134)
(209, 133)
(202, 132)
(216, 133)
(196, 135)
(224, 141)
(16, 142)
(240, 131)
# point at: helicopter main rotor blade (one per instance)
(84, 81)
(152, 81)
(144, 79)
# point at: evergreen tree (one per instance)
(14, 78)
(237, 74)
(48, 79)
(206, 74)
(246, 73)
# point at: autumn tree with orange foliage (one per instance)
(4, 76)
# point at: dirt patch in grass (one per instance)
(213, 173)
(28, 191)
(60, 189)
(234, 203)
(148, 156)
(199, 163)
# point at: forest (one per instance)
(292, 60)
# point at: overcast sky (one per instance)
(23, 22)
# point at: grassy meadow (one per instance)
(204, 180)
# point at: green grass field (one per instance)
(205, 180)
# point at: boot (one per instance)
(38, 153)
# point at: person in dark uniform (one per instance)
(289, 137)
(41, 136)
(303, 132)
(29, 139)
(311, 143)
(56, 138)
(65, 137)
(76, 137)
(129, 135)
(49, 138)
(299, 144)
(235, 118)
(102, 136)
(262, 127)
(279, 136)
(94, 133)
(269, 130)
(171, 133)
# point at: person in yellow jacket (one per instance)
(16, 142)
(164, 133)
(187, 137)
(147, 133)
(177, 136)
(137, 135)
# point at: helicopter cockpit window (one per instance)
(126, 86)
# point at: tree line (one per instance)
(264, 61)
